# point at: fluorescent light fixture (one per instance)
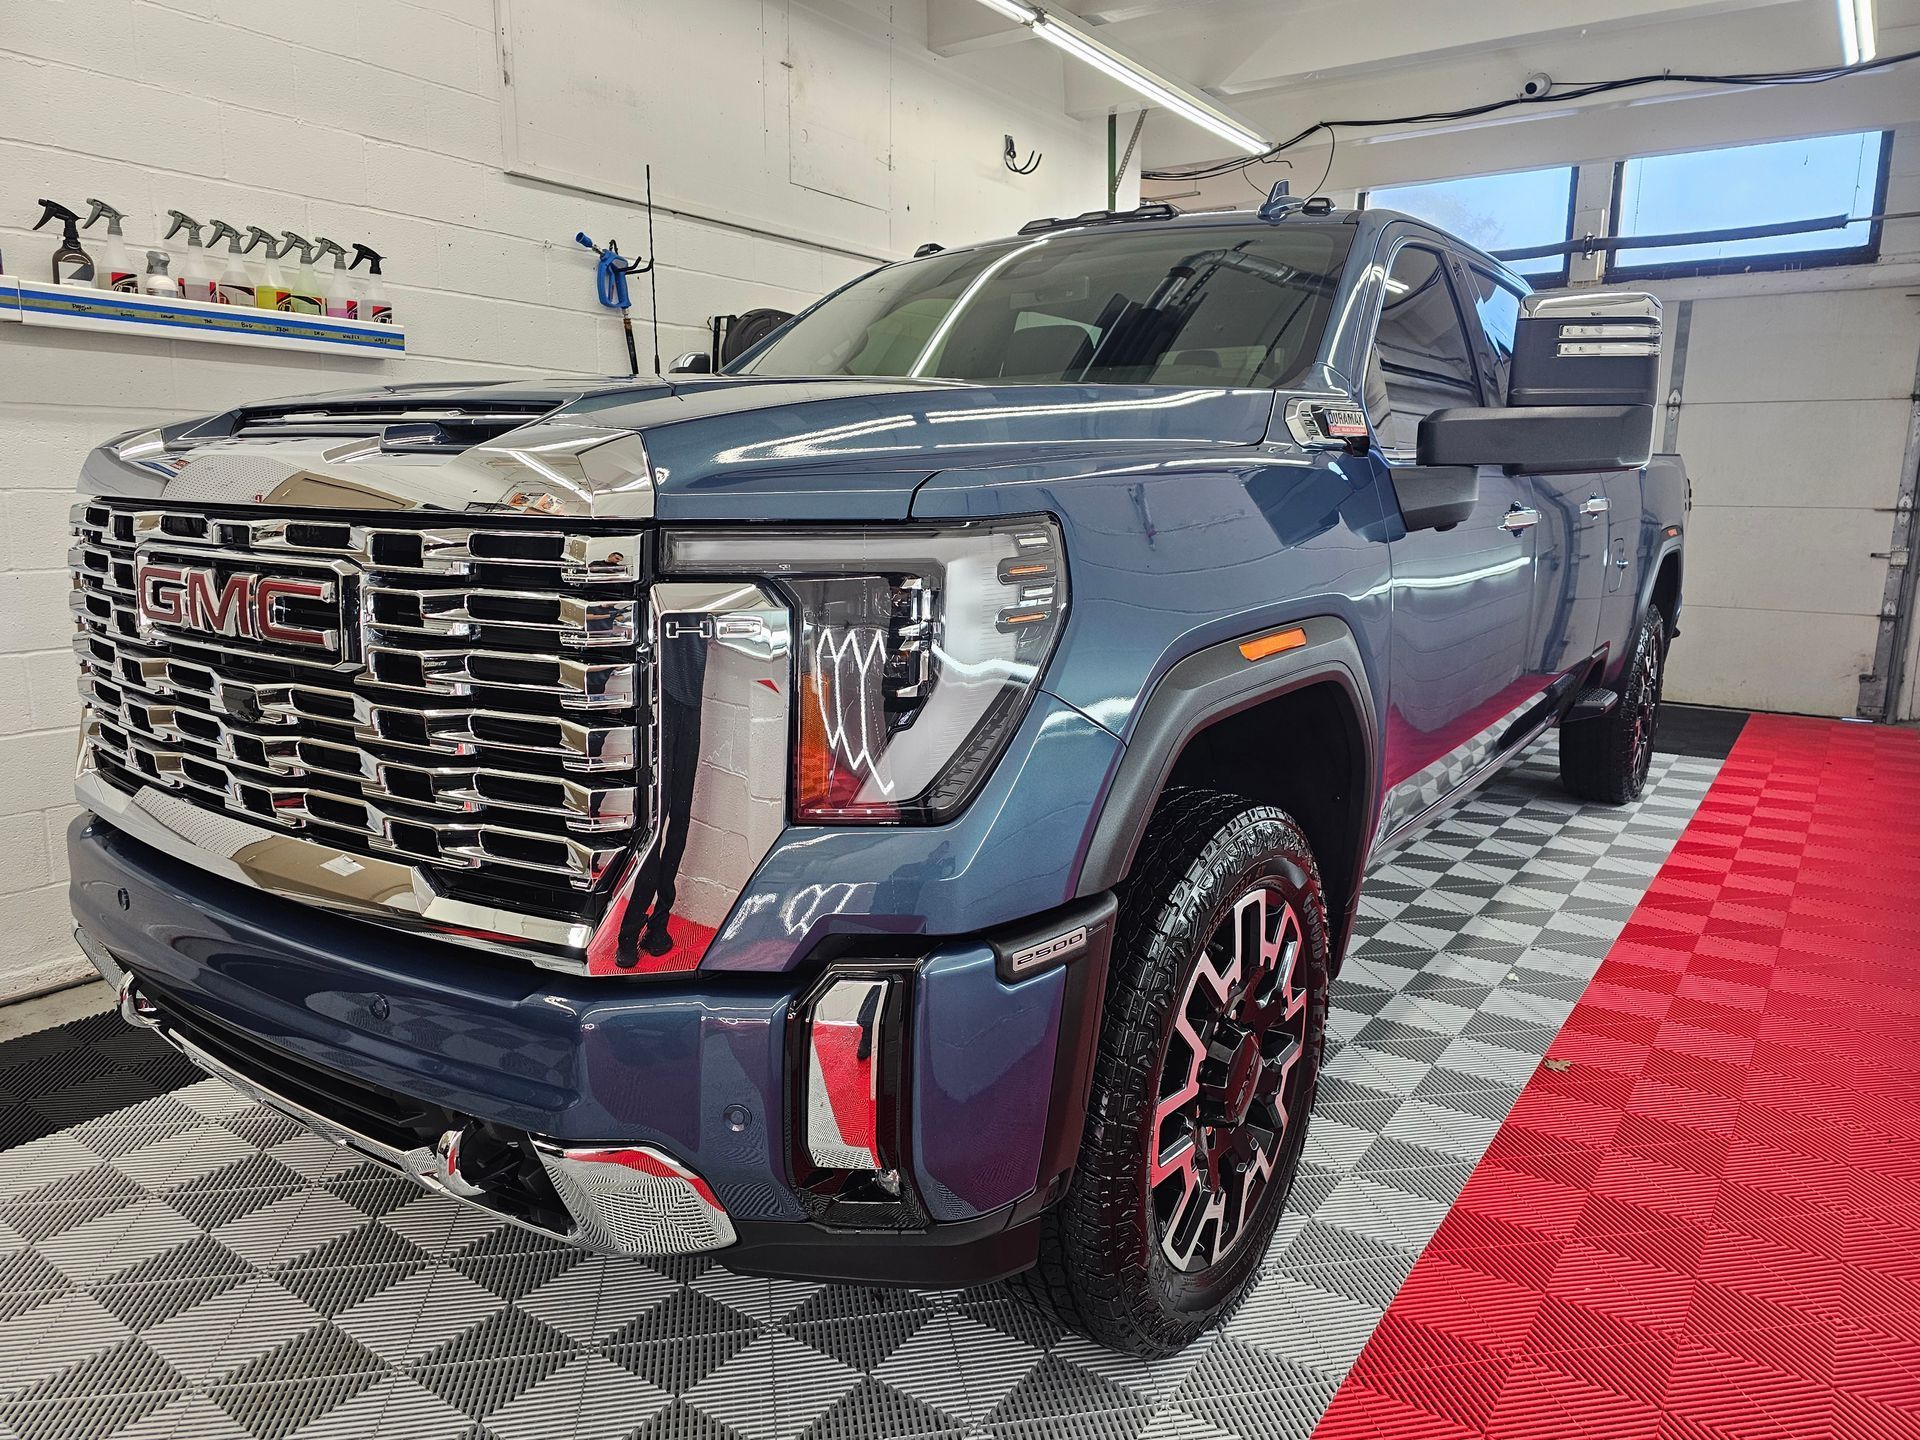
(1186, 101)
(1858, 40)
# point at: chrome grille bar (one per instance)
(489, 718)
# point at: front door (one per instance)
(1571, 561)
(1462, 666)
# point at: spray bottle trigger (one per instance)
(183, 221)
(98, 209)
(54, 210)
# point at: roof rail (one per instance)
(1154, 210)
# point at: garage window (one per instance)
(1513, 211)
(1747, 185)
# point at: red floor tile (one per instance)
(1707, 1226)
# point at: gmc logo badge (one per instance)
(241, 607)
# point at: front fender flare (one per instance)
(1202, 689)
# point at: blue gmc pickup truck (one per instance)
(889, 811)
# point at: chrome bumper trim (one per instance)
(315, 873)
(633, 1201)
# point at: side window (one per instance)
(1499, 310)
(1420, 360)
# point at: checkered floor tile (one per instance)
(192, 1266)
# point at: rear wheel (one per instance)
(1210, 1049)
(1607, 757)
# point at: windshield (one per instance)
(1176, 305)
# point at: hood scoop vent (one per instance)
(401, 427)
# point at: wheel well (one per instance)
(1305, 753)
(1666, 590)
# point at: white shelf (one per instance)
(70, 307)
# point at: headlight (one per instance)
(917, 649)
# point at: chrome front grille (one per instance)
(480, 707)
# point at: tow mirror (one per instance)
(1585, 377)
(1539, 439)
(1599, 349)
(1435, 497)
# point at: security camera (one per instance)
(1536, 86)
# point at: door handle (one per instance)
(1596, 505)
(1519, 517)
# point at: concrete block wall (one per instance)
(374, 120)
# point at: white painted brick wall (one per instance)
(374, 120)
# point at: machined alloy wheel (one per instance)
(1227, 1082)
(1210, 1041)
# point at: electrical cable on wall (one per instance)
(1755, 80)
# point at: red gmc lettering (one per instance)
(243, 607)
(159, 591)
(267, 591)
(224, 613)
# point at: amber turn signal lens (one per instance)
(1262, 646)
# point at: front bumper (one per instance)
(629, 1201)
(694, 1073)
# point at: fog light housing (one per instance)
(844, 1066)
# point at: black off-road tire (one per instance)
(1606, 758)
(1102, 1268)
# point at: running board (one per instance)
(1590, 702)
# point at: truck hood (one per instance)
(705, 447)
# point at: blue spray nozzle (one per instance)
(610, 275)
(610, 280)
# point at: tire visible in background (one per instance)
(1606, 758)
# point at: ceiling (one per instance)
(1285, 64)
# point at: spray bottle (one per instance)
(115, 268)
(343, 300)
(303, 292)
(71, 263)
(235, 285)
(196, 271)
(157, 282)
(270, 287)
(374, 304)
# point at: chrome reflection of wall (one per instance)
(722, 699)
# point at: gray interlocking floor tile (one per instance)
(195, 1267)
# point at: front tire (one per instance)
(1606, 758)
(1210, 1049)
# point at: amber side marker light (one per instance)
(1263, 646)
